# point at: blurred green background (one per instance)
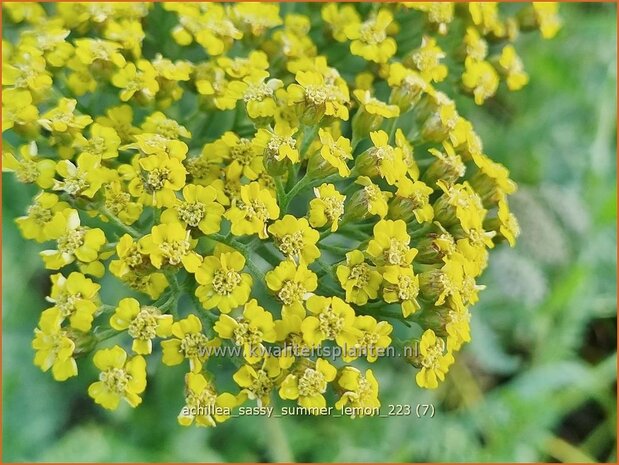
(538, 381)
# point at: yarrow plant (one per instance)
(272, 184)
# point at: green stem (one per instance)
(128, 229)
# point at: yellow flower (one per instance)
(259, 96)
(17, 109)
(142, 323)
(360, 280)
(277, 144)
(458, 327)
(331, 319)
(250, 213)
(222, 284)
(334, 155)
(338, 18)
(480, 78)
(99, 51)
(510, 65)
(202, 403)
(433, 360)
(240, 67)
(373, 341)
(369, 38)
(26, 70)
(242, 153)
(160, 178)
(438, 285)
(54, 348)
(103, 142)
(318, 96)
(119, 379)
(119, 118)
(401, 285)
(459, 203)
(198, 209)
(448, 166)
(140, 80)
(118, 203)
(30, 168)
(491, 182)
(382, 159)
(547, 18)
(474, 45)
(188, 342)
(407, 86)
(390, 244)
(131, 257)
(84, 178)
(292, 283)
(39, 215)
(427, 60)
(254, 327)
(158, 123)
(327, 207)
(75, 242)
(309, 385)
(367, 201)
(439, 14)
(371, 112)
(151, 143)
(171, 244)
(485, 16)
(295, 239)
(360, 392)
(61, 118)
(258, 383)
(256, 18)
(412, 201)
(77, 299)
(128, 32)
(508, 227)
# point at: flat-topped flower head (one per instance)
(360, 391)
(120, 378)
(401, 285)
(309, 386)
(199, 209)
(142, 323)
(359, 279)
(188, 342)
(390, 244)
(84, 178)
(292, 285)
(249, 331)
(327, 207)
(382, 160)
(77, 298)
(295, 239)
(203, 405)
(223, 285)
(54, 347)
(34, 225)
(251, 211)
(318, 96)
(480, 78)
(159, 176)
(171, 244)
(330, 319)
(369, 38)
(434, 360)
(258, 383)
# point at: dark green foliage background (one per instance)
(537, 382)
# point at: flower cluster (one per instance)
(271, 184)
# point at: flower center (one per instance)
(66, 303)
(396, 253)
(360, 274)
(291, 292)
(331, 324)
(226, 281)
(192, 344)
(257, 93)
(144, 325)
(39, 214)
(72, 240)
(433, 354)
(370, 34)
(291, 244)
(191, 213)
(246, 334)
(155, 180)
(312, 383)
(242, 152)
(408, 288)
(174, 251)
(27, 172)
(115, 379)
